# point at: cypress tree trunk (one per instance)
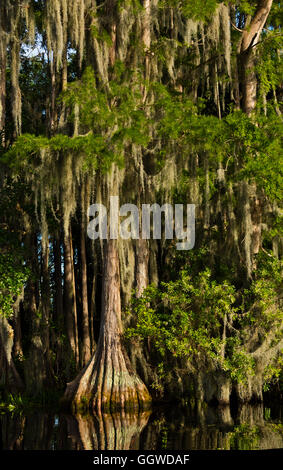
(86, 343)
(45, 289)
(70, 309)
(46, 316)
(250, 38)
(3, 65)
(108, 382)
(58, 281)
(142, 266)
(249, 81)
(35, 366)
(53, 110)
(17, 348)
(9, 377)
(92, 313)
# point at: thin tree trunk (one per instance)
(64, 79)
(9, 377)
(45, 290)
(74, 297)
(3, 64)
(17, 348)
(46, 315)
(248, 80)
(250, 38)
(53, 112)
(91, 316)
(58, 281)
(146, 38)
(69, 298)
(35, 364)
(86, 344)
(142, 266)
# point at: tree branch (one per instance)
(252, 33)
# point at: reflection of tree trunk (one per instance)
(12, 431)
(38, 431)
(119, 431)
(108, 381)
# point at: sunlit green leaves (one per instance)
(185, 317)
(12, 278)
(192, 9)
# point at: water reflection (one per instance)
(106, 431)
(252, 427)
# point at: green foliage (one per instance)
(101, 35)
(261, 300)
(192, 9)
(245, 437)
(12, 278)
(13, 270)
(269, 65)
(113, 111)
(274, 373)
(247, 149)
(245, 6)
(19, 403)
(12, 403)
(34, 83)
(25, 153)
(111, 118)
(185, 318)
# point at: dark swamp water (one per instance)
(249, 428)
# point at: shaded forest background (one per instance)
(154, 101)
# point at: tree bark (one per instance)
(86, 343)
(35, 366)
(108, 382)
(9, 377)
(69, 298)
(3, 65)
(45, 300)
(142, 266)
(59, 316)
(250, 38)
